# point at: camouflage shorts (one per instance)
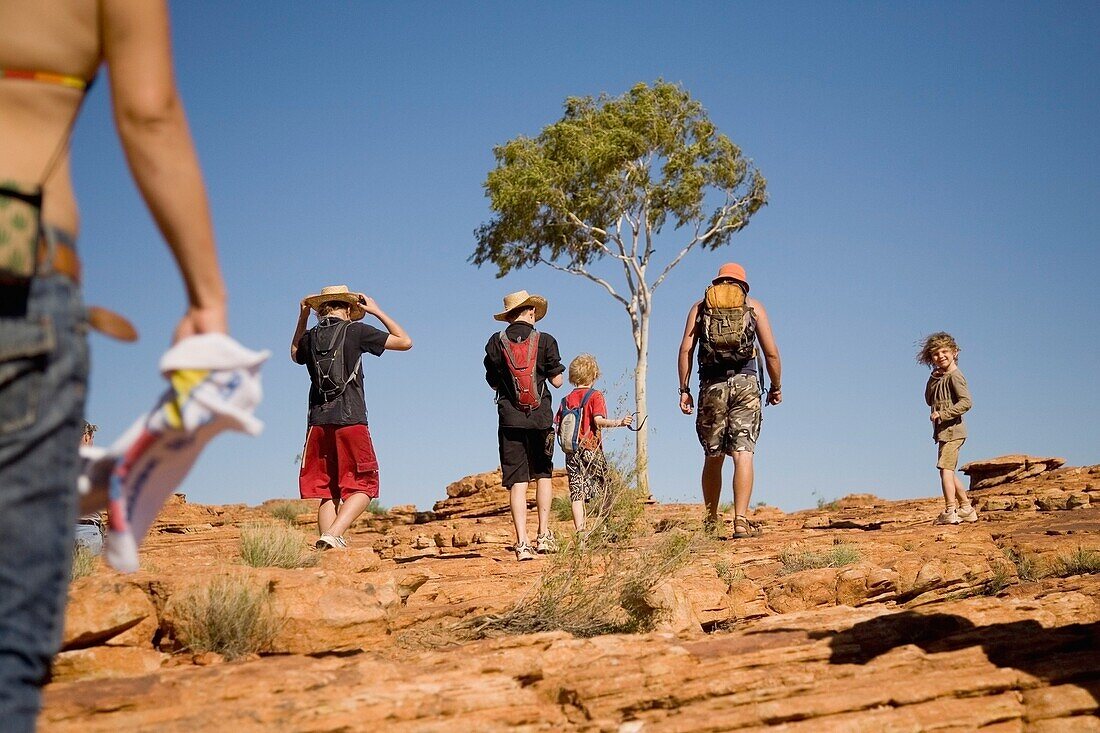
(728, 418)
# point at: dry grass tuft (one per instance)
(229, 615)
(836, 557)
(84, 563)
(1079, 562)
(589, 593)
(730, 575)
(275, 546)
(1028, 567)
(601, 583)
(289, 511)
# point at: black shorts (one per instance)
(525, 454)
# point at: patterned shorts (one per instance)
(587, 469)
(728, 418)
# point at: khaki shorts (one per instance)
(729, 415)
(948, 453)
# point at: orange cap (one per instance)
(734, 271)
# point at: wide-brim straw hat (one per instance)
(522, 299)
(340, 293)
(732, 271)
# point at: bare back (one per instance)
(60, 37)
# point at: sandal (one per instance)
(743, 528)
(523, 552)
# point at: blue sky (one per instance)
(931, 166)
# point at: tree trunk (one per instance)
(640, 370)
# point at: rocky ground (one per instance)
(982, 626)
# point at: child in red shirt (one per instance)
(587, 466)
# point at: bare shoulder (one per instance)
(756, 305)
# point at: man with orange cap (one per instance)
(726, 325)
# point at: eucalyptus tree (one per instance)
(601, 183)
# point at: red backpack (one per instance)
(522, 359)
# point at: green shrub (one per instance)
(1079, 562)
(375, 507)
(289, 511)
(84, 563)
(836, 557)
(228, 615)
(275, 546)
(725, 507)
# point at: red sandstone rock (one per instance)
(910, 637)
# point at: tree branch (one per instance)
(580, 271)
(697, 239)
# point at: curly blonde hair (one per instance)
(583, 370)
(931, 342)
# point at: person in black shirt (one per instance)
(525, 436)
(339, 465)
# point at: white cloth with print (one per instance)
(214, 386)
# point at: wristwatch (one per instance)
(685, 390)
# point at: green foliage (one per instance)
(725, 507)
(375, 507)
(651, 155)
(836, 557)
(826, 504)
(84, 563)
(275, 546)
(1079, 562)
(227, 615)
(289, 511)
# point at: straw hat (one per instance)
(522, 299)
(340, 293)
(732, 271)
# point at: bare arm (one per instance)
(303, 317)
(621, 422)
(771, 353)
(153, 129)
(684, 360)
(398, 340)
(557, 380)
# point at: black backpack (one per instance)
(326, 351)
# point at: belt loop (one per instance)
(46, 260)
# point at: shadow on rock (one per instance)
(1059, 655)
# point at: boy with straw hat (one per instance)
(339, 466)
(525, 433)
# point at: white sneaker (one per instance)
(949, 516)
(967, 513)
(330, 542)
(546, 543)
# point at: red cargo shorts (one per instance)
(338, 460)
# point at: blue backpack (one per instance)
(569, 421)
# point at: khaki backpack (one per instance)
(728, 323)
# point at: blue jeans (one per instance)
(43, 378)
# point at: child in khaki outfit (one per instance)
(948, 397)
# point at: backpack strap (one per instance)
(532, 348)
